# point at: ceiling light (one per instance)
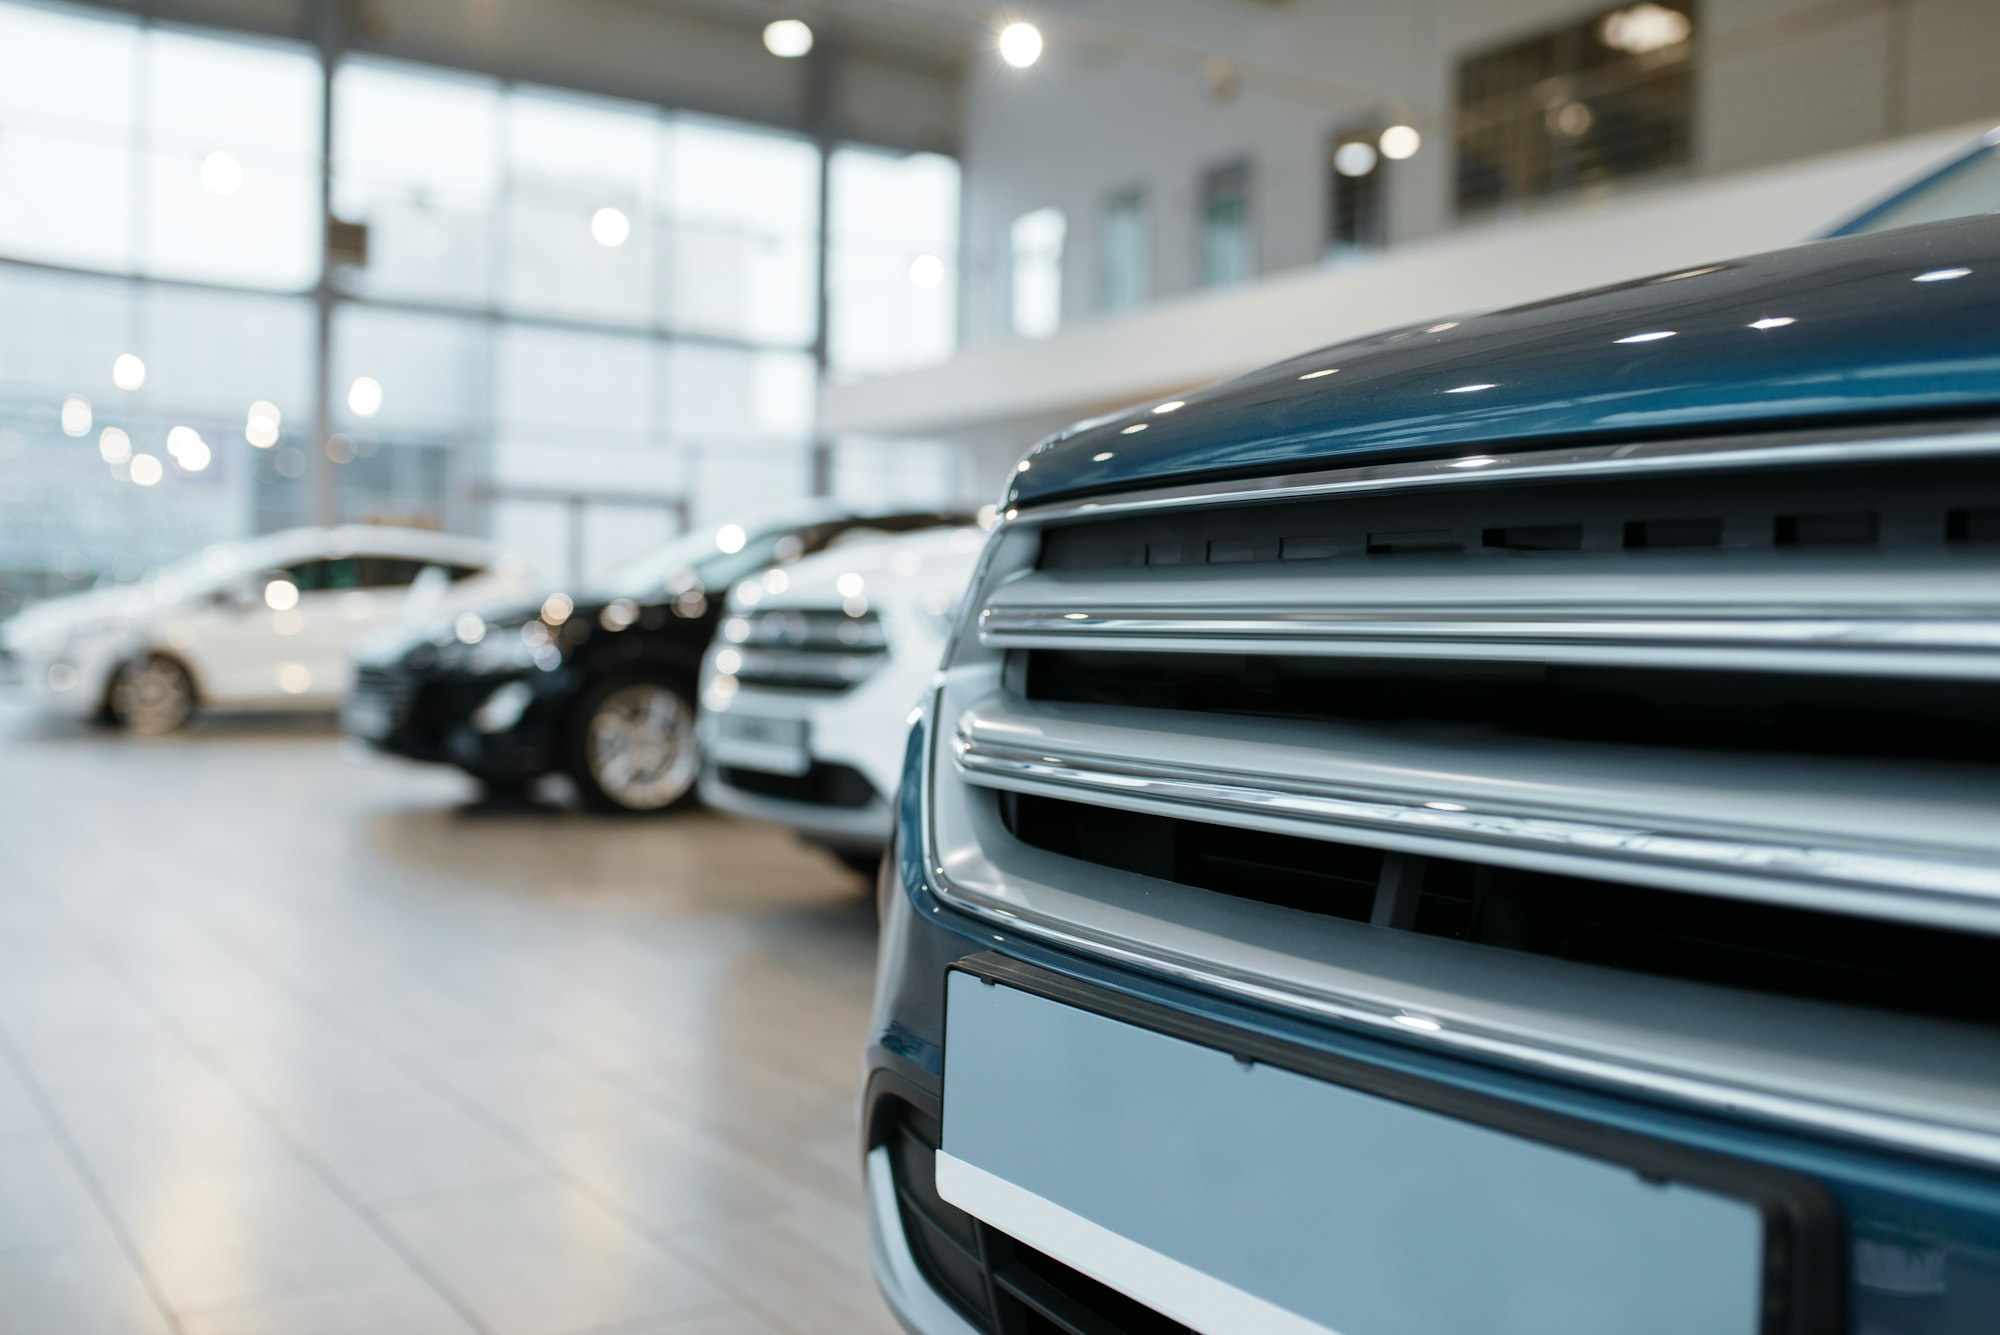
(610, 227)
(926, 271)
(221, 173)
(364, 396)
(1399, 142)
(146, 470)
(1020, 44)
(1644, 28)
(1356, 157)
(128, 372)
(788, 39)
(729, 539)
(76, 416)
(114, 446)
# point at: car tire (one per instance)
(153, 696)
(858, 862)
(631, 746)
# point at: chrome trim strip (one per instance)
(1458, 1039)
(1758, 451)
(1905, 875)
(1920, 642)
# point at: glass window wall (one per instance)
(580, 322)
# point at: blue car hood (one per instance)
(1902, 322)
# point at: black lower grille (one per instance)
(396, 691)
(1000, 1285)
(823, 785)
(1703, 938)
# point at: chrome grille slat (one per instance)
(1771, 832)
(1921, 620)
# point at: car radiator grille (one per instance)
(1725, 717)
(1003, 1287)
(396, 691)
(822, 651)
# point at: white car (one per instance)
(266, 623)
(807, 689)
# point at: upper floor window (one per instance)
(1576, 106)
(1227, 254)
(1124, 256)
(1357, 192)
(1035, 252)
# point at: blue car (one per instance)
(1490, 829)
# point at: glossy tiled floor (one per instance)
(292, 1042)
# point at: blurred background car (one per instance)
(805, 691)
(263, 624)
(597, 685)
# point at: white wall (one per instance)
(1107, 110)
(997, 398)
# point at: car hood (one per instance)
(1841, 329)
(59, 616)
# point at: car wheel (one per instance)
(633, 748)
(153, 696)
(858, 862)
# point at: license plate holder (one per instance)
(763, 742)
(1237, 1182)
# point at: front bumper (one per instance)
(861, 829)
(428, 717)
(1918, 1237)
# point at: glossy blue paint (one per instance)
(1837, 331)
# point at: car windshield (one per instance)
(698, 560)
(1971, 187)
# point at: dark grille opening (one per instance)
(1689, 708)
(1974, 525)
(1650, 534)
(1859, 529)
(1702, 938)
(1340, 881)
(1535, 538)
(1913, 505)
(1413, 542)
(1001, 1286)
(823, 785)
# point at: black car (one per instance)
(599, 687)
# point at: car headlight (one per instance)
(510, 649)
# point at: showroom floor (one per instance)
(292, 1041)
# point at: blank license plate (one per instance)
(1234, 1195)
(769, 745)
